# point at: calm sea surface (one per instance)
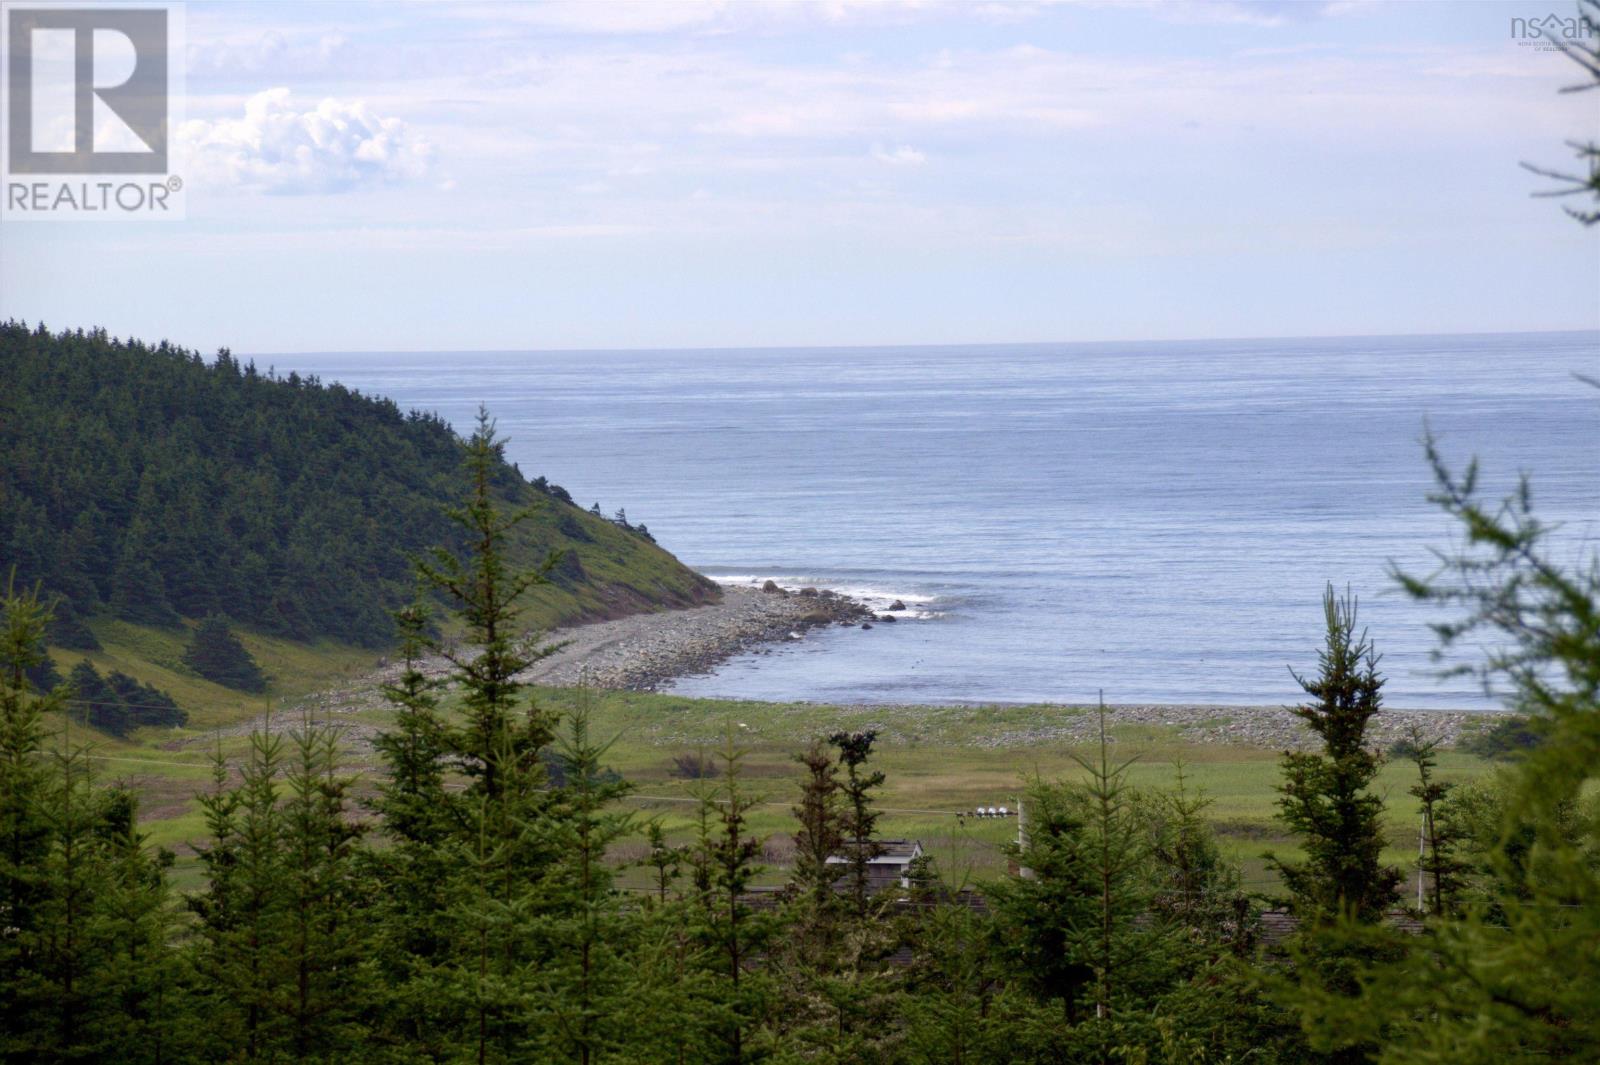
(1157, 520)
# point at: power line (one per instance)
(119, 702)
(147, 761)
(786, 805)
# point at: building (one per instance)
(890, 867)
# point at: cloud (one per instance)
(1265, 13)
(280, 146)
(905, 155)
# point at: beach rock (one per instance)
(897, 605)
(809, 593)
(866, 624)
(771, 588)
(886, 617)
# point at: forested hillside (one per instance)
(148, 483)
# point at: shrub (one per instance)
(693, 765)
(1508, 737)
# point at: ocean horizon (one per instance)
(1156, 520)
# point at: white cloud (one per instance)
(904, 155)
(1265, 13)
(281, 146)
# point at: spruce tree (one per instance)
(500, 845)
(664, 861)
(1199, 891)
(951, 1009)
(820, 835)
(242, 956)
(323, 927)
(216, 654)
(588, 933)
(486, 591)
(1512, 977)
(1079, 920)
(1444, 871)
(411, 876)
(144, 704)
(1325, 797)
(860, 821)
(138, 592)
(1117, 854)
(140, 979)
(1038, 910)
(86, 970)
(726, 861)
(411, 796)
(94, 702)
(26, 831)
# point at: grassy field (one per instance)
(940, 761)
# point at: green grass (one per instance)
(939, 760)
(167, 767)
(155, 656)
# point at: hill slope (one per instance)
(145, 484)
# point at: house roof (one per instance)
(890, 852)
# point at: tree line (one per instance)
(145, 483)
(473, 909)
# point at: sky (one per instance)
(428, 176)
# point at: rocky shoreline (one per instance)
(1249, 726)
(644, 651)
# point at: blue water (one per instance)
(1156, 520)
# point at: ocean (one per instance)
(1154, 520)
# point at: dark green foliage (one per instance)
(832, 969)
(279, 947)
(1444, 871)
(42, 674)
(488, 924)
(26, 830)
(1120, 937)
(146, 481)
(137, 591)
(587, 933)
(820, 835)
(1326, 801)
(68, 630)
(86, 971)
(729, 931)
(95, 701)
(1505, 738)
(1040, 912)
(1199, 891)
(118, 704)
(1513, 977)
(216, 654)
(956, 999)
(859, 821)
